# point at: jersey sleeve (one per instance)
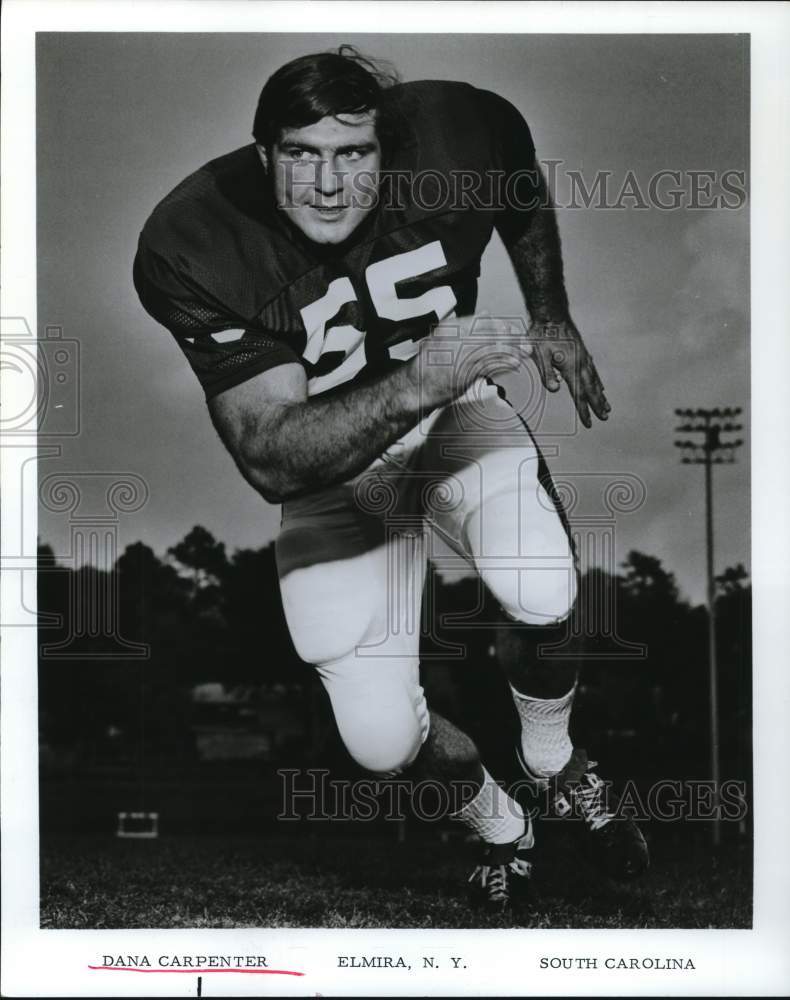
(223, 348)
(514, 154)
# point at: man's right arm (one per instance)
(287, 445)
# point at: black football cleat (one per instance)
(503, 874)
(615, 843)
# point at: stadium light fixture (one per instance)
(711, 450)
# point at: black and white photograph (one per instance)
(381, 540)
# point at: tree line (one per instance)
(201, 615)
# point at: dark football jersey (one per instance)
(242, 291)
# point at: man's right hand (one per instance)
(462, 351)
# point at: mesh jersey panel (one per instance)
(218, 366)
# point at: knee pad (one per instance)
(380, 710)
(384, 741)
(534, 596)
(386, 754)
(523, 553)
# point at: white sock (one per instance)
(545, 742)
(493, 815)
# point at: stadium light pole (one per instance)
(710, 450)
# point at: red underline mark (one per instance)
(194, 972)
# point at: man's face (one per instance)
(325, 175)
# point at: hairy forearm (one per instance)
(319, 442)
(537, 260)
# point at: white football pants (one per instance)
(352, 562)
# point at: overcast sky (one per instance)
(661, 297)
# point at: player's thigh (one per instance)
(497, 508)
(347, 580)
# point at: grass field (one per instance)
(92, 881)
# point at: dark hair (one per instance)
(313, 87)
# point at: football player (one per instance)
(322, 282)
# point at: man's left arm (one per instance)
(556, 345)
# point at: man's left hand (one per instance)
(558, 350)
